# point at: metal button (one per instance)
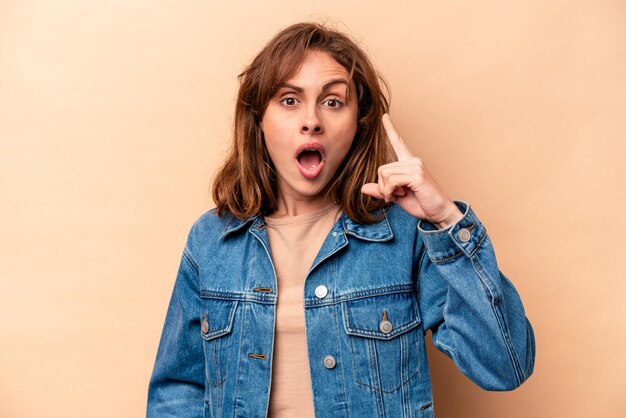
(464, 234)
(205, 325)
(335, 234)
(330, 362)
(385, 326)
(321, 291)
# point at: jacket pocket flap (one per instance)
(217, 318)
(383, 317)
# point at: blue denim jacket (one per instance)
(385, 284)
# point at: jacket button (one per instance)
(464, 234)
(385, 326)
(321, 291)
(330, 362)
(205, 325)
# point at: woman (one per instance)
(309, 289)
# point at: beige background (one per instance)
(114, 115)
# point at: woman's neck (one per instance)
(288, 206)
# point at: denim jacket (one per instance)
(380, 287)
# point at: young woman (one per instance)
(308, 290)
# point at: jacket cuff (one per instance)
(463, 237)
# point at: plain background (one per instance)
(114, 116)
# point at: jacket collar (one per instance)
(235, 224)
(378, 232)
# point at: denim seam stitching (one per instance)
(455, 255)
(243, 329)
(375, 370)
(243, 297)
(365, 385)
(190, 260)
(376, 334)
(446, 259)
(498, 314)
(327, 256)
(370, 239)
(388, 290)
(403, 366)
(338, 334)
(212, 348)
(353, 358)
(387, 392)
(216, 359)
(222, 331)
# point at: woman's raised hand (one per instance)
(410, 185)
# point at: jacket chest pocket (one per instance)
(383, 334)
(215, 328)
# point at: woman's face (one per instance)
(309, 126)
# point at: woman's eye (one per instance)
(333, 103)
(289, 101)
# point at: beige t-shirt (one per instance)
(295, 242)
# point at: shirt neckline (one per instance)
(306, 217)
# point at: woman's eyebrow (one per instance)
(334, 82)
(292, 86)
(325, 87)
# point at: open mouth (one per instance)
(310, 158)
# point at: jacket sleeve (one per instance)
(177, 384)
(476, 315)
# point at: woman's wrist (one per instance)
(453, 217)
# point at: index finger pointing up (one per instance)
(398, 145)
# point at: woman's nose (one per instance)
(312, 124)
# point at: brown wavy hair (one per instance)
(246, 185)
